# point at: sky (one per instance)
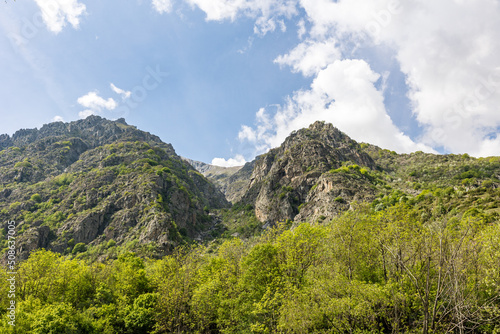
(226, 80)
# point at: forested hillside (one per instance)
(391, 271)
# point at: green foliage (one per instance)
(423, 257)
(21, 164)
(55, 219)
(79, 248)
(357, 172)
(241, 219)
(365, 271)
(63, 179)
(59, 318)
(164, 171)
(36, 198)
(146, 161)
(339, 199)
(284, 191)
(14, 206)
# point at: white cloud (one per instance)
(96, 103)
(343, 94)
(265, 12)
(310, 57)
(162, 6)
(247, 47)
(123, 93)
(247, 133)
(301, 31)
(448, 51)
(58, 119)
(238, 160)
(56, 13)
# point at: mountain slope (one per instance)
(319, 172)
(94, 181)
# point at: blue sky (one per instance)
(225, 80)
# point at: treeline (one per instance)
(365, 272)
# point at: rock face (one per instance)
(95, 180)
(296, 175)
(333, 193)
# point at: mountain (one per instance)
(318, 172)
(294, 181)
(100, 187)
(97, 183)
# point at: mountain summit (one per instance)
(292, 181)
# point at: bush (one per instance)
(63, 179)
(79, 248)
(21, 164)
(36, 198)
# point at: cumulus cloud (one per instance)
(343, 94)
(95, 104)
(57, 13)
(58, 119)
(238, 160)
(86, 113)
(310, 57)
(301, 31)
(123, 93)
(447, 50)
(162, 6)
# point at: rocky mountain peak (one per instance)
(282, 178)
(94, 130)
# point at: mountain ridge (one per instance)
(96, 181)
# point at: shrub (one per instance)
(36, 198)
(63, 179)
(79, 248)
(21, 164)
